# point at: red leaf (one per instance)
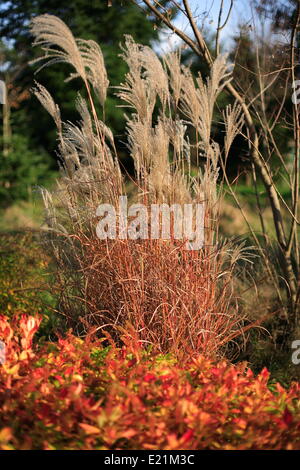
(287, 416)
(149, 377)
(187, 436)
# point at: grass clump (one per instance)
(177, 300)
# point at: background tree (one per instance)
(95, 20)
(22, 165)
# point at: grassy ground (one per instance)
(26, 281)
(21, 216)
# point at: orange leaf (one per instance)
(88, 429)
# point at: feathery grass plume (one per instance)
(176, 131)
(180, 187)
(48, 103)
(154, 73)
(136, 91)
(172, 61)
(160, 172)
(67, 150)
(219, 77)
(98, 174)
(95, 68)
(177, 163)
(90, 171)
(149, 146)
(234, 121)
(190, 100)
(81, 136)
(139, 144)
(181, 159)
(50, 218)
(168, 180)
(69, 157)
(149, 149)
(198, 103)
(59, 44)
(146, 79)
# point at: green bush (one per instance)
(21, 170)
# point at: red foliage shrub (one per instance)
(78, 394)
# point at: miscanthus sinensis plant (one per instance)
(167, 297)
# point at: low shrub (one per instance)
(26, 279)
(89, 394)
